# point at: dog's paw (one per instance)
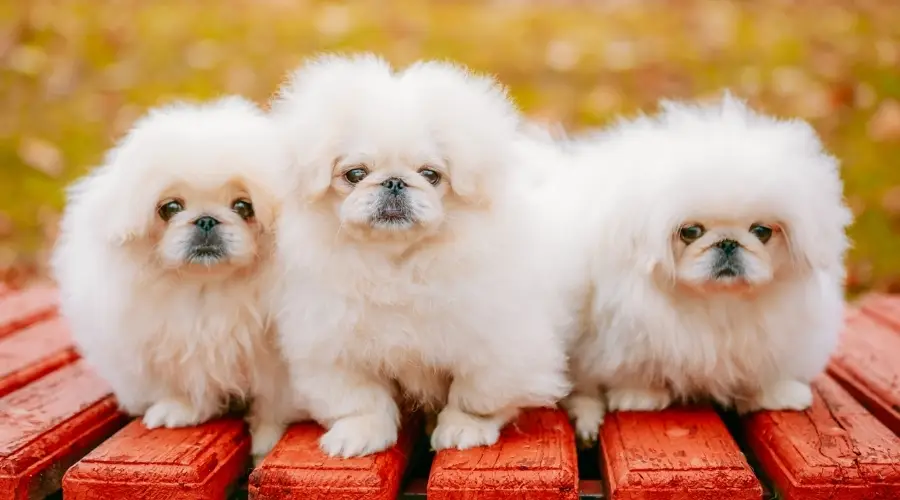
(460, 430)
(264, 437)
(171, 413)
(783, 395)
(359, 435)
(587, 413)
(638, 399)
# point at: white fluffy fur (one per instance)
(176, 341)
(451, 310)
(651, 334)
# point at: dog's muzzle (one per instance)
(393, 206)
(728, 263)
(206, 245)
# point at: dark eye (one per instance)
(691, 233)
(168, 209)
(243, 208)
(355, 175)
(764, 233)
(431, 176)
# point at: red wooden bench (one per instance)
(60, 431)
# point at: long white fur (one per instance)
(457, 315)
(635, 184)
(175, 346)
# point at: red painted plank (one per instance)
(674, 454)
(202, 462)
(535, 459)
(866, 364)
(836, 450)
(884, 308)
(20, 309)
(298, 468)
(32, 352)
(48, 425)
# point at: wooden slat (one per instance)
(534, 459)
(675, 454)
(298, 468)
(836, 450)
(48, 425)
(883, 308)
(21, 309)
(32, 352)
(202, 462)
(866, 364)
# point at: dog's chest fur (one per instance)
(200, 338)
(721, 349)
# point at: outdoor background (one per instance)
(75, 74)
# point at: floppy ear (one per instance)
(311, 109)
(112, 206)
(311, 169)
(473, 121)
(656, 257)
(821, 244)
(816, 232)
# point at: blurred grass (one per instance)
(74, 74)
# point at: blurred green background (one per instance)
(75, 74)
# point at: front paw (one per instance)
(172, 413)
(359, 435)
(264, 437)
(783, 395)
(460, 430)
(645, 399)
(587, 413)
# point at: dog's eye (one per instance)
(243, 208)
(355, 175)
(431, 176)
(691, 233)
(764, 233)
(168, 209)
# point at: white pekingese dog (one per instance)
(408, 268)
(164, 265)
(714, 241)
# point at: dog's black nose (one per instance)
(394, 185)
(206, 223)
(728, 246)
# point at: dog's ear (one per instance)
(817, 215)
(312, 108)
(108, 206)
(472, 120)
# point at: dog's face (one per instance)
(394, 157)
(722, 254)
(719, 198)
(192, 189)
(398, 196)
(205, 227)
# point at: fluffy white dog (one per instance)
(715, 239)
(164, 262)
(407, 255)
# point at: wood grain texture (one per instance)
(836, 450)
(48, 425)
(32, 352)
(883, 308)
(675, 454)
(535, 459)
(21, 309)
(298, 468)
(866, 364)
(203, 462)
